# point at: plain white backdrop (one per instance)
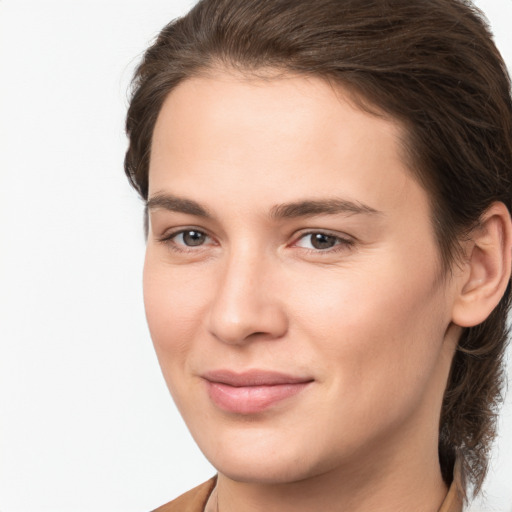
(86, 422)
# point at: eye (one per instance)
(190, 238)
(321, 241)
(181, 240)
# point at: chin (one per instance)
(264, 458)
(274, 470)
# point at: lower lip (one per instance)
(251, 399)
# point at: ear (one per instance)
(486, 268)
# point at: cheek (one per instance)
(379, 332)
(172, 300)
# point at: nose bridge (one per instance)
(245, 301)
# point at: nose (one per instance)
(246, 303)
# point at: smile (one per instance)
(251, 392)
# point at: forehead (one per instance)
(252, 135)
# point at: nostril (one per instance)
(250, 327)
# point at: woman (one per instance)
(327, 272)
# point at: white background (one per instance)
(86, 423)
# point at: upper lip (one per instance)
(252, 378)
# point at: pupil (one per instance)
(193, 238)
(321, 241)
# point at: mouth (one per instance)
(253, 391)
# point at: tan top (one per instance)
(195, 499)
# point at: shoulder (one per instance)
(192, 501)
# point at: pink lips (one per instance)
(252, 391)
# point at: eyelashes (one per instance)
(321, 241)
(190, 238)
(317, 242)
(186, 240)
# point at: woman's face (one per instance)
(292, 281)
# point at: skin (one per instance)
(368, 320)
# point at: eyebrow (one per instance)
(304, 208)
(177, 204)
(310, 208)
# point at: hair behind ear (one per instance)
(473, 394)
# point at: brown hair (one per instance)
(432, 65)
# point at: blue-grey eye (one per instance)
(192, 238)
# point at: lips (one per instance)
(253, 391)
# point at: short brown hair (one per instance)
(432, 65)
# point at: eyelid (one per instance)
(343, 240)
(168, 238)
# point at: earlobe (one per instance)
(486, 269)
